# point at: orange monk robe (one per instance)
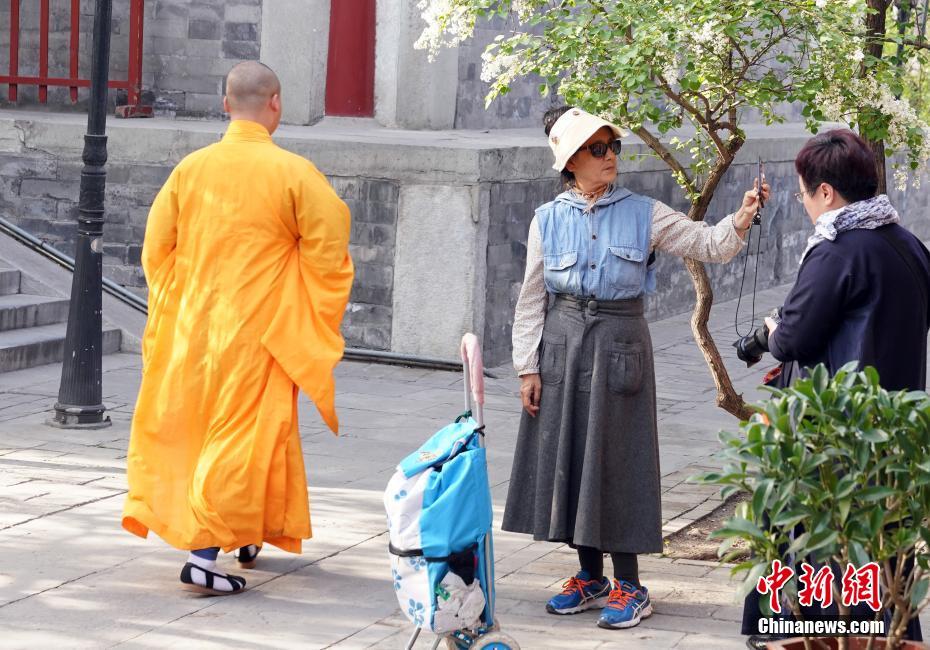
(246, 258)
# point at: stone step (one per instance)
(9, 281)
(23, 310)
(35, 346)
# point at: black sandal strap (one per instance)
(245, 556)
(236, 582)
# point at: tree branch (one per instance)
(662, 151)
(701, 118)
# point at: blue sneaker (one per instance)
(578, 594)
(626, 606)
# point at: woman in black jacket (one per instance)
(861, 292)
(862, 289)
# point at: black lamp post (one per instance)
(80, 396)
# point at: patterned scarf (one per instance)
(867, 215)
(593, 197)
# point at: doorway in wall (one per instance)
(350, 72)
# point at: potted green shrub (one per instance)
(838, 471)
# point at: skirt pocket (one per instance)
(552, 359)
(625, 374)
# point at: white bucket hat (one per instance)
(572, 130)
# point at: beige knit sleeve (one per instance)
(530, 315)
(673, 232)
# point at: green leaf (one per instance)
(857, 554)
(876, 521)
(738, 527)
(729, 491)
(874, 435)
(761, 495)
(844, 487)
(875, 493)
(752, 579)
(843, 510)
(799, 545)
(821, 540)
(820, 378)
(790, 518)
(920, 592)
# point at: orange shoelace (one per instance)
(575, 584)
(620, 598)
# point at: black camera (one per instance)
(751, 347)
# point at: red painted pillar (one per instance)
(13, 88)
(350, 72)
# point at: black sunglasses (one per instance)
(599, 149)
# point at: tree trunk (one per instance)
(878, 150)
(875, 27)
(727, 397)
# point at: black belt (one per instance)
(592, 305)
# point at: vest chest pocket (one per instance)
(625, 269)
(561, 273)
(552, 359)
(625, 372)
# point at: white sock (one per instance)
(203, 563)
(220, 583)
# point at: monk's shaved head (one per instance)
(249, 86)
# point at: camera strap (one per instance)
(910, 262)
(755, 278)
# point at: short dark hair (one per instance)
(549, 119)
(842, 159)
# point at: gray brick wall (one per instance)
(39, 193)
(374, 224)
(522, 107)
(189, 46)
(511, 210)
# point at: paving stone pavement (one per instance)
(71, 578)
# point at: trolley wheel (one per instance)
(497, 641)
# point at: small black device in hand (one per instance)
(757, 217)
(751, 347)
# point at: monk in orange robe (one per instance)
(247, 263)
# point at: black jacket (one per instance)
(856, 299)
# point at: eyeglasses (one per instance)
(800, 197)
(599, 149)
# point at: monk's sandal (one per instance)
(204, 581)
(248, 556)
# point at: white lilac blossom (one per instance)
(448, 23)
(664, 64)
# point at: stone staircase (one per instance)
(32, 327)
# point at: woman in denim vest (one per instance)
(586, 467)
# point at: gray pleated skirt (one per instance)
(586, 468)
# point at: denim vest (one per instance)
(602, 253)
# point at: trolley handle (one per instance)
(473, 367)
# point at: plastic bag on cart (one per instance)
(457, 605)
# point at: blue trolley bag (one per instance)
(439, 514)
